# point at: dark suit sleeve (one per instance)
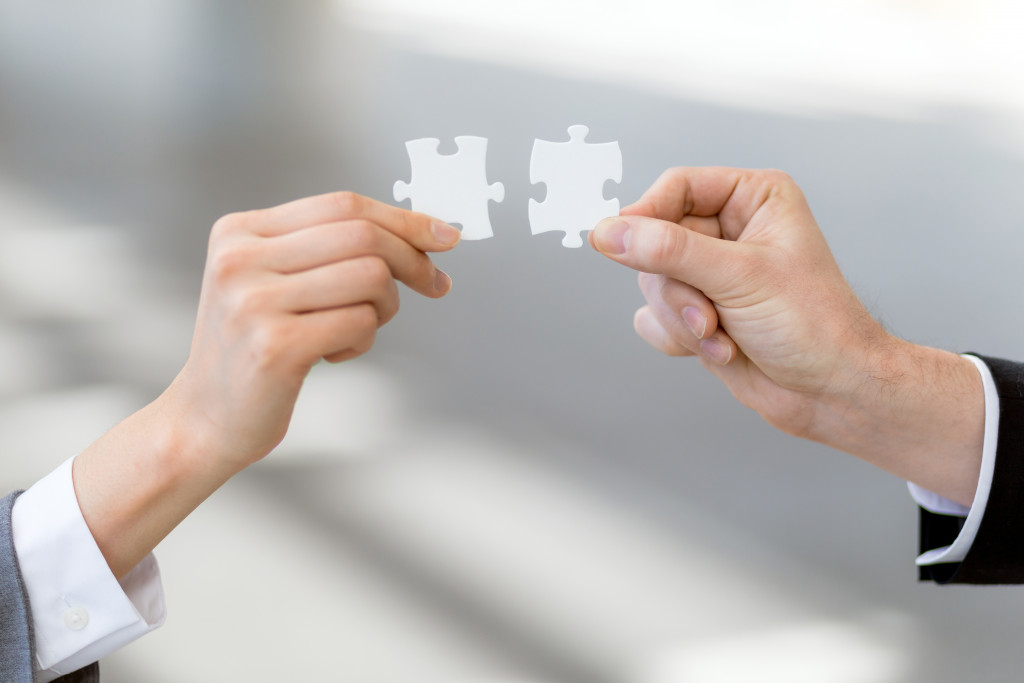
(997, 554)
(17, 643)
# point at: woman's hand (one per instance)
(284, 287)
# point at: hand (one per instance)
(283, 288)
(735, 270)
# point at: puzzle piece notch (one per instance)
(575, 173)
(452, 187)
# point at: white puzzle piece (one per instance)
(575, 173)
(452, 187)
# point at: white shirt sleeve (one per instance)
(80, 611)
(933, 502)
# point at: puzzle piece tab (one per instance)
(575, 173)
(452, 187)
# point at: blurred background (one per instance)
(512, 487)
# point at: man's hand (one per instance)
(736, 271)
(283, 288)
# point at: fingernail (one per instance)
(696, 321)
(442, 281)
(612, 236)
(444, 233)
(716, 351)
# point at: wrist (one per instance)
(915, 411)
(139, 480)
(195, 446)
(232, 417)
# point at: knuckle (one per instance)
(424, 272)
(365, 341)
(349, 203)
(225, 265)
(779, 177)
(229, 259)
(675, 173)
(375, 271)
(781, 182)
(364, 320)
(413, 223)
(232, 224)
(225, 225)
(666, 246)
(389, 308)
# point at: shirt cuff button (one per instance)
(76, 618)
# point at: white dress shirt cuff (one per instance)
(935, 503)
(80, 611)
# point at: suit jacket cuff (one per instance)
(996, 555)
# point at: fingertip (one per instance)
(611, 236)
(445, 235)
(643, 317)
(442, 283)
(718, 350)
(696, 321)
(342, 356)
(634, 209)
(650, 286)
(648, 328)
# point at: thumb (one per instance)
(650, 245)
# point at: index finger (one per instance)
(418, 229)
(732, 195)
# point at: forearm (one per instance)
(916, 412)
(140, 480)
(797, 346)
(283, 288)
